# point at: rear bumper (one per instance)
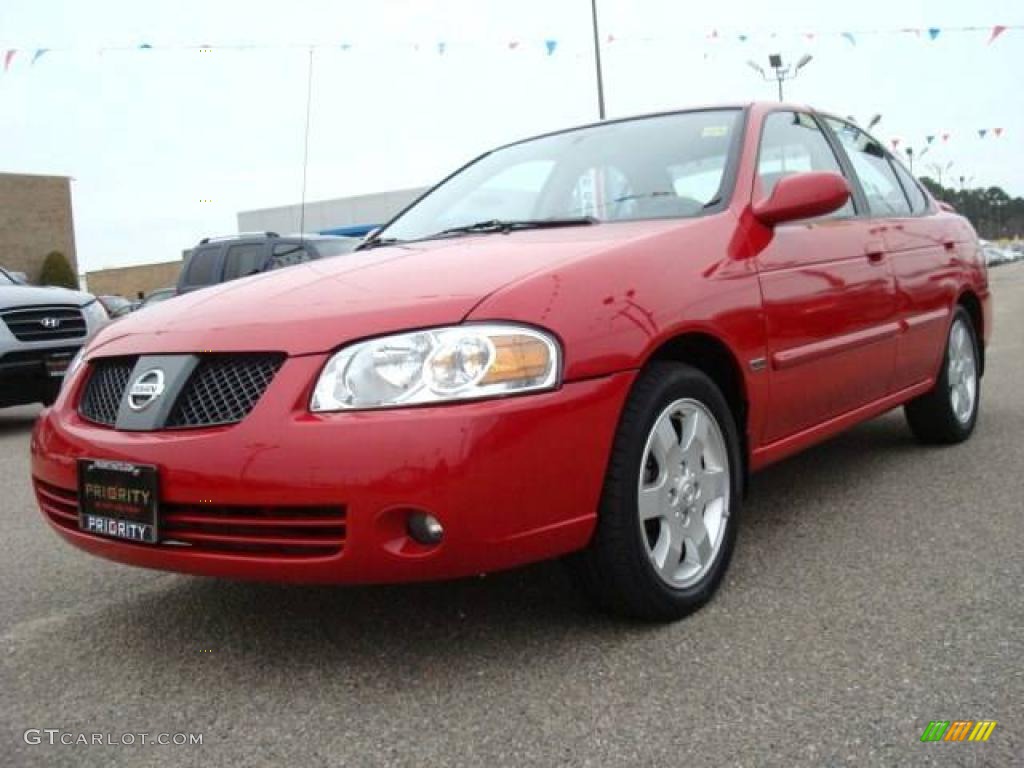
(513, 481)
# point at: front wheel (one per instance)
(670, 506)
(948, 413)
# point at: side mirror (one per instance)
(803, 196)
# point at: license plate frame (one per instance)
(119, 500)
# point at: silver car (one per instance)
(41, 330)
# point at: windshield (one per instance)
(654, 167)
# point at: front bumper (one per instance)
(513, 480)
(33, 375)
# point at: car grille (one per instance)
(45, 323)
(223, 389)
(107, 383)
(281, 532)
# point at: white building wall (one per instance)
(329, 214)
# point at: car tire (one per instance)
(948, 413)
(657, 484)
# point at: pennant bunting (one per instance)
(849, 36)
(895, 143)
(998, 132)
(40, 52)
(945, 137)
(982, 132)
(145, 47)
(550, 45)
(997, 30)
(933, 32)
(513, 45)
(930, 139)
(742, 38)
(8, 57)
(441, 48)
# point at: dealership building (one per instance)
(353, 216)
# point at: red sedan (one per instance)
(577, 345)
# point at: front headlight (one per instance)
(440, 365)
(94, 313)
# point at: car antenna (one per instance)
(305, 148)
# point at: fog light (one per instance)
(424, 528)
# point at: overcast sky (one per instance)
(149, 136)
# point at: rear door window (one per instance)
(244, 259)
(871, 163)
(918, 202)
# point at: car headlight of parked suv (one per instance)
(439, 365)
(95, 314)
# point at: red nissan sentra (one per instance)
(579, 344)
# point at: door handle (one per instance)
(874, 250)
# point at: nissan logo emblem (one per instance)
(50, 322)
(145, 389)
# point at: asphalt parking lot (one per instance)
(877, 586)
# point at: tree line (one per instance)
(993, 213)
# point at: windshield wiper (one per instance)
(509, 225)
(377, 242)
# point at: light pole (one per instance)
(938, 169)
(875, 120)
(783, 72)
(911, 153)
(597, 59)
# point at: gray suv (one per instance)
(41, 330)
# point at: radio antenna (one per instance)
(305, 147)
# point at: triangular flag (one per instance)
(997, 30)
(713, 35)
(933, 32)
(38, 54)
(849, 36)
(550, 45)
(145, 47)
(809, 35)
(945, 137)
(440, 48)
(611, 39)
(7, 58)
(982, 132)
(513, 45)
(743, 38)
(998, 132)
(895, 143)
(346, 46)
(930, 139)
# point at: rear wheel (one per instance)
(948, 413)
(669, 510)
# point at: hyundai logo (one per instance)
(50, 322)
(145, 389)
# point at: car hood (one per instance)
(13, 296)
(318, 306)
